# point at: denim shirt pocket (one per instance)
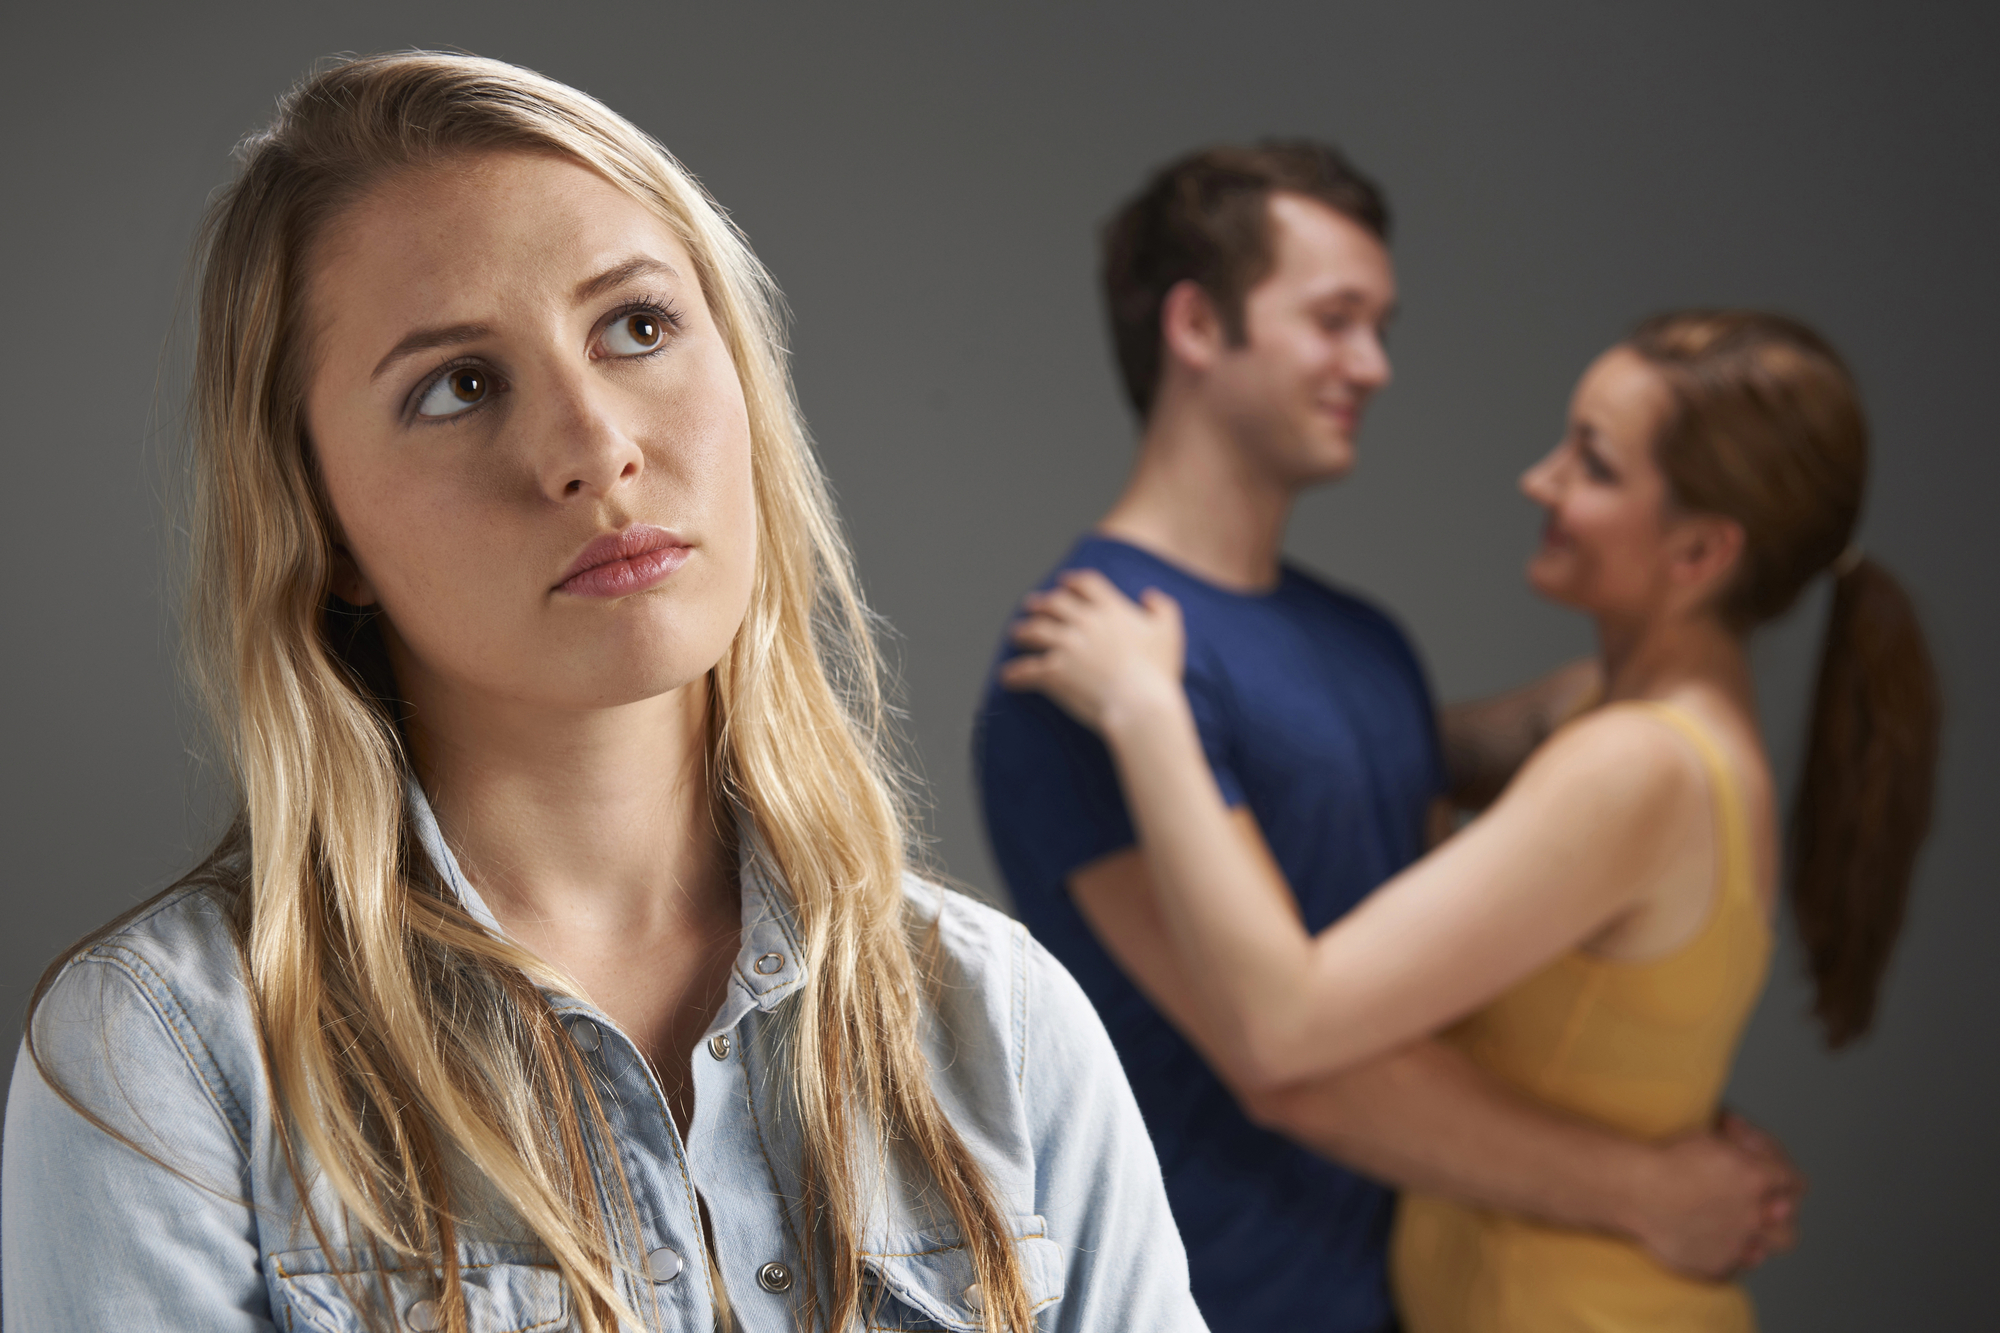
(926, 1281)
(508, 1289)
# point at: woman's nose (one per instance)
(1538, 483)
(589, 451)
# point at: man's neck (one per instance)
(1195, 501)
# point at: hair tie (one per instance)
(1847, 561)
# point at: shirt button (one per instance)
(975, 1300)
(770, 964)
(664, 1264)
(718, 1046)
(424, 1316)
(586, 1036)
(774, 1277)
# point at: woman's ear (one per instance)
(350, 585)
(1707, 549)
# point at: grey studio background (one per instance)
(926, 182)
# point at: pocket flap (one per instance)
(506, 1290)
(931, 1272)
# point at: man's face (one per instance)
(1292, 394)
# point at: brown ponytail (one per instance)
(1767, 429)
(1864, 800)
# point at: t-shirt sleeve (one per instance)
(1050, 791)
(1425, 700)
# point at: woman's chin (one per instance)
(1549, 580)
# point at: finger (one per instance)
(1036, 632)
(1763, 1154)
(1780, 1232)
(1022, 673)
(1748, 1135)
(1095, 590)
(1063, 602)
(1781, 1240)
(1160, 604)
(1090, 585)
(1744, 1134)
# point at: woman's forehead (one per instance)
(478, 211)
(1621, 393)
(475, 240)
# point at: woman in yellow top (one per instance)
(1599, 936)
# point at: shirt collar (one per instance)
(770, 964)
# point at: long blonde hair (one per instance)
(397, 1034)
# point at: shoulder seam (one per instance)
(173, 1016)
(170, 898)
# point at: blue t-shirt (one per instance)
(1314, 712)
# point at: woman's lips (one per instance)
(621, 563)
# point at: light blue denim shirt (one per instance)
(151, 1028)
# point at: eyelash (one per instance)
(659, 306)
(669, 314)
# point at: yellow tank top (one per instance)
(1643, 1048)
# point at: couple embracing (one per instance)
(1221, 794)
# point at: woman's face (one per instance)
(532, 436)
(1612, 534)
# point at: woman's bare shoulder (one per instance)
(1617, 756)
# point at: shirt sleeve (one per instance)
(1050, 791)
(1097, 1181)
(154, 1232)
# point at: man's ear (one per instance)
(349, 584)
(1190, 325)
(1707, 550)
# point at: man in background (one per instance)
(1248, 290)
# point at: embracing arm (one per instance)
(1557, 860)
(97, 1233)
(1485, 741)
(1564, 854)
(1427, 1118)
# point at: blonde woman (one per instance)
(1597, 938)
(562, 968)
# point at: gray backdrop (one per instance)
(927, 184)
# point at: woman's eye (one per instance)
(635, 334)
(466, 387)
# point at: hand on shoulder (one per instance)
(1104, 657)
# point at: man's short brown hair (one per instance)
(1203, 218)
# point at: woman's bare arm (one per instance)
(1427, 1118)
(1564, 854)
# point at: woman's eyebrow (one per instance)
(425, 339)
(622, 272)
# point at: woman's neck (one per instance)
(1658, 656)
(590, 833)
